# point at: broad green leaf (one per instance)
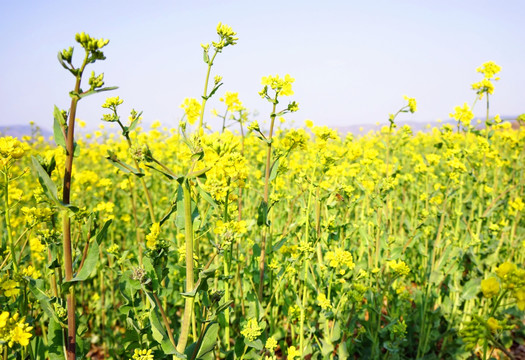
(256, 344)
(37, 289)
(471, 289)
(49, 187)
(158, 331)
(209, 340)
(93, 254)
(55, 336)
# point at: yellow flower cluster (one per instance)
(227, 36)
(399, 267)
(293, 352)
(152, 237)
(251, 330)
(9, 286)
(192, 109)
(489, 69)
(142, 354)
(340, 260)
(323, 301)
(281, 86)
(463, 114)
(412, 106)
(10, 149)
(231, 99)
(14, 330)
(229, 231)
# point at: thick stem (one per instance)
(66, 225)
(188, 307)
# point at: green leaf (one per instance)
(204, 275)
(134, 123)
(206, 196)
(55, 336)
(49, 187)
(209, 340)
(169, 176)
(127, 169)
(223, 307)
(273, 170)
(262, 214)
(91, 92)
(279, 244)
(471, 289)
(58, 131)
(158, 332)
(37, 289)
(205, 56)
(256, 344)
(214, 90)
(180, 209)
(93, 255)
(172, 209)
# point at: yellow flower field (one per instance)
(259, 241)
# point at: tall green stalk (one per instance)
(266, 195)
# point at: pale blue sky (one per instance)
(352, 60)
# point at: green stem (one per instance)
(304, 296)
(265, 200)
(205, 94)
(66, 223)
(188, 307)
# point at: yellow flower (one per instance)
(192, 108)
(489, 69)
(490, 287)
(10, 287)
(398, 267)
(251, 330)
(281, 86)
(324, 303)
(142, 354)
(309, 123)
(231, 99)
(11, 148)
(151, 238)
(112, 102)
(271, 343)
(463, 114)
(504, 269)
(293, 352)
(411, 103)
(31, 272)
(20, 334)
(493, 324)
(484, 86)
(340, 258)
